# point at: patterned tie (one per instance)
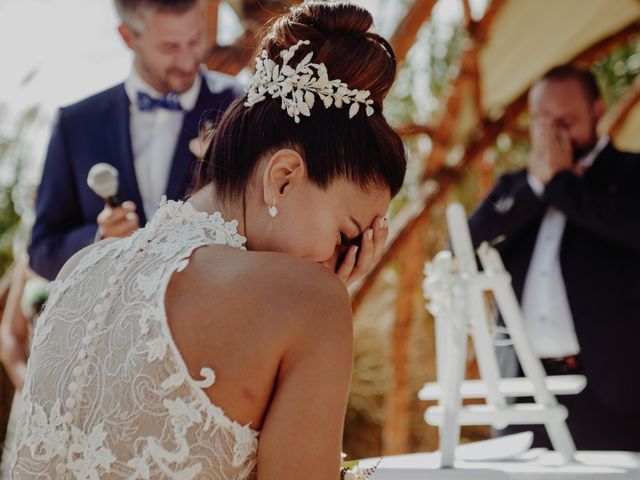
(147, 103)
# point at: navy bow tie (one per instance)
(147, 103)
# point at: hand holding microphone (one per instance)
(116, 219)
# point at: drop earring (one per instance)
(273, 210)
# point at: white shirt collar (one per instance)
(134, 84)
(590, 157)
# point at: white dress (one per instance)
(107, 393)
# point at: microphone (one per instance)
(103, 180)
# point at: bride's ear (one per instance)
(283, 172)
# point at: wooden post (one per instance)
(395, 433)
(405, 34)
(211, 23)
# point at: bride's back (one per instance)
(108, 394)
(239, 312)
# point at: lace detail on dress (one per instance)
(108, 394)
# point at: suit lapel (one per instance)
(600, 171)
(183, 161)
(597, 175)
(117, 124)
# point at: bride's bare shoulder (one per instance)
(296, 280)
(307, 306)
(279, 286)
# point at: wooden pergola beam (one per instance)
(607, 45)
(405, 34)
(413, 129)
(211, 23)
(445, 177)
(480, 30)
(466, 8)
(231, 59)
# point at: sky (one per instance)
(51, 59)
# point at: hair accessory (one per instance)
(296, 86)
(273, 210)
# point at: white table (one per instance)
(536, 464)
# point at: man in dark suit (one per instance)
(568, 230)
(143, 127)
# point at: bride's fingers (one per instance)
(371, 249)
(365, 257)
(346, 267)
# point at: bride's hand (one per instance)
(360, 260)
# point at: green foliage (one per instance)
(445, 43)
(617, 71)
(431, 62)
(13, 152)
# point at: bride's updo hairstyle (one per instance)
(363, 149)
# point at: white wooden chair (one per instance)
(456, 290)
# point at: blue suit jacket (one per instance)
(97, 130)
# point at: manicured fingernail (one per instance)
(381, 223)
(369, 233)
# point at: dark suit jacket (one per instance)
(97, 130)
(599, 257)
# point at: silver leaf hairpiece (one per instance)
(296, 86)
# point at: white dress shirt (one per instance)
(547, 316)
(154, 135)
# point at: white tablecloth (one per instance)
(536, 464)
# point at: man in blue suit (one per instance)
(143, 127)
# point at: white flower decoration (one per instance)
(297, 87)
(444, 289)
(439, 285)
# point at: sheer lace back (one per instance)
(107, 393)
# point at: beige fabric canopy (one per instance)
(527, 37)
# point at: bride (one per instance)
(216, 342)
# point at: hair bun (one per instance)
(340, 37)
(334, 17)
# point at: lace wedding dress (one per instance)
(108, 394)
